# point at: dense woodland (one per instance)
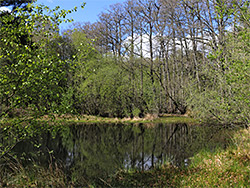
(141, 56)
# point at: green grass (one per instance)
(149, 120)
(70, 119)
(229, 168)
(32, 176)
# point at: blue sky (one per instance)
(89, 13)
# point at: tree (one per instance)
(32, 72)
(225, 95)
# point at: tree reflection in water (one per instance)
(93, 152)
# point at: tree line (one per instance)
(141, 56)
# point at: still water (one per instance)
(90, 152)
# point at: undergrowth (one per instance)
(15, 175)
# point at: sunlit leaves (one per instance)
(227, 98)
(31, 72)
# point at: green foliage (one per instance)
(32, 73)
(101, 86)
(225, 93)
(105, 88)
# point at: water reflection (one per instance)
(93, 152)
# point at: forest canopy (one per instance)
(141, 56)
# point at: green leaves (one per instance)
(32, 73)
(226, 99)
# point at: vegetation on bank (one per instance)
(190, 62)
(147, 119)
(79, 119)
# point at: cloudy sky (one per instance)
(4, 9)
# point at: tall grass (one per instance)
(13, 174)
(229, 168)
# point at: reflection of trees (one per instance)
(94, 151)
(100, 150)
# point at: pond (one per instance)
(90, 153)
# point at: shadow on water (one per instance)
(90, 153)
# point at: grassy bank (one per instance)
(223, 168)
(167, 118)
(149, 118)
(33, 176)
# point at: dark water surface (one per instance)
(93, 152)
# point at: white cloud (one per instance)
(143, 42)
(4, 9)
